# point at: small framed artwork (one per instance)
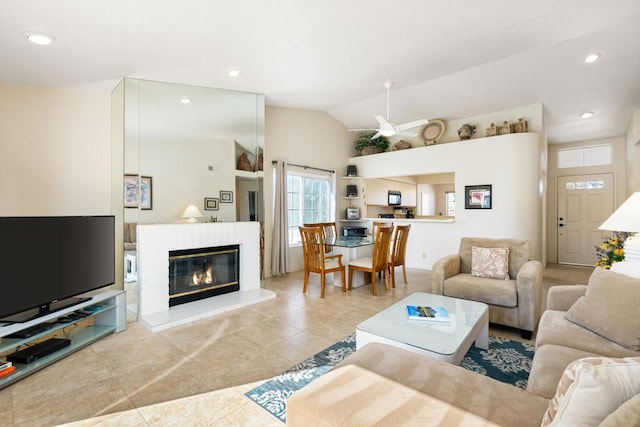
(130, 191)
(146, 193)
(211, 203)
(477, 197)
(226, 196)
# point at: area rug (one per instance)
(506, 361)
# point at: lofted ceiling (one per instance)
(447, 59)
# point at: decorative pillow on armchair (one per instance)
(492, 263)
(610, 308)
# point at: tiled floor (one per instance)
(129, 374)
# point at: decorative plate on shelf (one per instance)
(431, 132)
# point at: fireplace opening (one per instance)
(200, 273)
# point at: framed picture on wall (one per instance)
(211, 204)
(477, 197)
(130, 191)
(226, 196)
(146, 193)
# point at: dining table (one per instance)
(351, 247)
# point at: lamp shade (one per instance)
(626, 217)
(192, 212)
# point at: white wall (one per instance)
(55, 151)
(304, 137)
(510, 163)
(633, 154)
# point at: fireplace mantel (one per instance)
(154, 243)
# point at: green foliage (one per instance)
(611, 250)
(364, 140)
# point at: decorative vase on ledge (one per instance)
(372, 149)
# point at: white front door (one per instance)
(584, 203)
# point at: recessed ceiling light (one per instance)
(233, 73)
(40, 39)
(593, 57)
(185, 100)
(587, 115)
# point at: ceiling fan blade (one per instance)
(362, 130)
(376, 135)
(407, 133)
(382, 121)
(411, 125)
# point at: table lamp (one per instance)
(192, 213)
(627, 218)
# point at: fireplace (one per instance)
(200, 273)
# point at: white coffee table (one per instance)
(448, 342)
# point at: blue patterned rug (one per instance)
(506, 361)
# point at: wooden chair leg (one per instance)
(350, 277)
(344, 284)
(404, 274)
(321, 285)
(306, 281)
(393, 275)
(386, 278)
(373, 284)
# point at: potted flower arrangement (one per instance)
(611, 250)
(365, 145)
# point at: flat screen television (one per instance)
(47, 262)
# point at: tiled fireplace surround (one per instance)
(154, 243)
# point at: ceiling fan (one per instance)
(388, 128)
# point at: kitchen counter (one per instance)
(440, 219)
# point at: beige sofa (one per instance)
(514, 302)
(578, 376)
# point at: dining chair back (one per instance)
(315, 259)
(377, 262)
(398, 252)
(329, 233)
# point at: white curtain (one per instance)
(280, 241)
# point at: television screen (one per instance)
(47, 260)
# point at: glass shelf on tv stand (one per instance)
(109, 318)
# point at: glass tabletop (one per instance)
(349, 241)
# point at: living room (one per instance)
(57, 160)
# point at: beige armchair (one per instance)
(514, 302)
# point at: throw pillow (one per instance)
(492, 263)
(609, 308)
(592, 388)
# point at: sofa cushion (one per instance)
(519, 252)
(490, 263)
(549, 362)
(592, 388)
(497, 402)
(489, 291)
(355, 396)
(608, 308)
(627, 414)
(555, 329)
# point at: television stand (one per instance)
(107, 315)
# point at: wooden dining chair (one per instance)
(398, 251)
(315, 259)
(378, 224)
(329, 233)
(378, 262)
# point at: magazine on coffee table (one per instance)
(432, 314)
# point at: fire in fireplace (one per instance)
(200, 273)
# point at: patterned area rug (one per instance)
(506, 361)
